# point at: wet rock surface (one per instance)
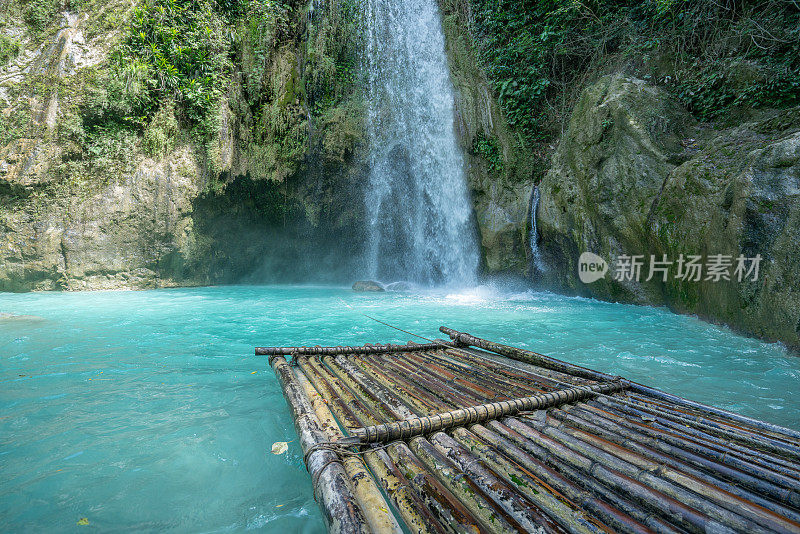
(367, 286)
(635, 175)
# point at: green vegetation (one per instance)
(39, 14)
(292, 67)
(716, 56)
(332, 56)
(489, 149)
(181, 48)
(9, 48)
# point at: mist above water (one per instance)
(419, 216)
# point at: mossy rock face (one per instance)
(500, 170)
(634, 174)
(99, 192)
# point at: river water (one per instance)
(148, 411)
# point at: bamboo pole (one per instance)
(546, 449)
(532, 506)
(508, 466)
(340, 508)
(719, 461)
(461, 338)
(614, 509)
(781, 464)
(332, 351)
(520, 509)
(684, 468)
(519, 371)
(463, 487)
(694, 479)
(373, 505)
(464, 339)
(700, 497)
(700, 425)
(614, 516)
(348, 408)
(449, 511)
(771, 475)
(546, 498)
(670, 448)
(527, 514)
(439, 466)
(477, 414)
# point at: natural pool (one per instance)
(148, 411)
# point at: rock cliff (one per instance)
(93, 198)
(635, 174)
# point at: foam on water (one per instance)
(140, 410)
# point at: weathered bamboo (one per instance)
(472, 493)
(658, 422)
(450, 512)
(523, 372)
(509, 467)
(477, 414)
(744, 473)
(461, 338)
(464, 339)
(524, 512)
(536, 507)
(729, 497)
(776, 462)
(619, 511)
(557, 507)
(698, 498)
(700, 425)
(485, 373)
(546, 448)
(332, 351)
(464, 487)
(637, 462)
(373, 505)
(340, 507)
(614, 518)
(415, 515)
(406, 387)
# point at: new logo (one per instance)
(591, 267)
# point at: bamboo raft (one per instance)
(473, 436)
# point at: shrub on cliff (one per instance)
(715, 56)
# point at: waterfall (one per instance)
(536, 256)
(417, 202)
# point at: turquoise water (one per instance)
(148, 411)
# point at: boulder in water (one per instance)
(367, 285)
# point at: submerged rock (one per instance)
(367, 285)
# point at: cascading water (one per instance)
(536, 255)
(418, 206)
